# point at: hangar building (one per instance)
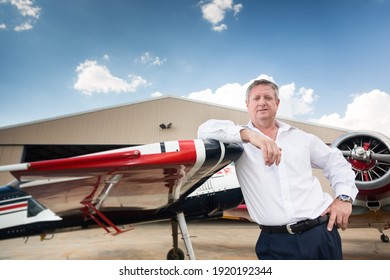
(160, 119)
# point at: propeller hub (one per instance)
(360, 151)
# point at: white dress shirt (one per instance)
(287, 193)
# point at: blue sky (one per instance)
(330, 58)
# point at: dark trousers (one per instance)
(315, 244)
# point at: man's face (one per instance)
(262, 103)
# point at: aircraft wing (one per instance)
(145, 178)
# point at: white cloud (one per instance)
(23, 27)
(232, 94)
(228, 95)
(367, 111)
(3, 26)
(94, 78)
(220, 27)
(156, 94)
(27, 9)
(292, 102)
(215, 12)
(147, 58)
(237, 8)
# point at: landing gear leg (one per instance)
(186, 235)
(176, 253)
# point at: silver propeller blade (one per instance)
(372, 156)
(381, 157)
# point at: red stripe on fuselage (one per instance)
(14, 206)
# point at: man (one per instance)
(275, 173)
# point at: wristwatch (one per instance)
(345, 198)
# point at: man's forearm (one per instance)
(271, 152)
(245, 135)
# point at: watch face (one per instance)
(344, 197)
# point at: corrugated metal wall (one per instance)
(9, 154)
(136, 123)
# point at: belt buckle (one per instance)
(288, 227)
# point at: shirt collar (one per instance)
(281, 125)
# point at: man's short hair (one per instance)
(262, 82)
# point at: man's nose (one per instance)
(261, 101)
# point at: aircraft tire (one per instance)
(384, 238)
(178, 255)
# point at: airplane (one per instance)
(146, 183)
(368, 153)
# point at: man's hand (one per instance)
(271, 152)
(339, 212)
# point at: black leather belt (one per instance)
(296, 227)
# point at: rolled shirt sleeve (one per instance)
(222, 130)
